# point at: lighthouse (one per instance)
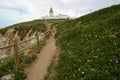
(52, 16)
(51, 12)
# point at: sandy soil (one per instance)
(38, 69)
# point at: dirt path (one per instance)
(38, 69)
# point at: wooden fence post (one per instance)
(16, 54)
(38, 42)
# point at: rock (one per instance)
(8, 77)
(2, 55)
(27, 52)
(33, 36)
(9, 34)
(7, 40)
(27, 35)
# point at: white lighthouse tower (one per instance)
(51, 12)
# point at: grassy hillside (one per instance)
(90, 46)
(23, 28)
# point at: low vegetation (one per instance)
(8, 66)
(90, 46)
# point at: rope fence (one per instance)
(15, 46)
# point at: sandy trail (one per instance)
(38, 69)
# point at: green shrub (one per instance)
(8, 66)
(20, 75)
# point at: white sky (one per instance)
(14, 11)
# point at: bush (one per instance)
(8, 66)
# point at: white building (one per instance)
(51, 15)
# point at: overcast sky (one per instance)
(15, 11)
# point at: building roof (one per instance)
(56, 17)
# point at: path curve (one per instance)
(38, 69)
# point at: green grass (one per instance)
(8, 66)
(91, 50)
